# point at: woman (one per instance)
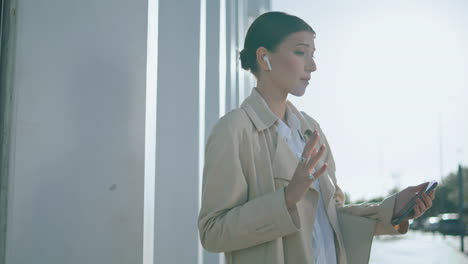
(270, 194)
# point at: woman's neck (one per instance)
(275, 99)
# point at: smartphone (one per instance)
(408, 209)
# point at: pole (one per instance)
(460, 208)
(441, 159)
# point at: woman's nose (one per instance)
(311, 66)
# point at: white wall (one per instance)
(180, 135)
(77, 161)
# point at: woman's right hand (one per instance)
(300, 181)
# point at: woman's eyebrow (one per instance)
(304, 44)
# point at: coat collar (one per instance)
(258, 111)
(262, 117)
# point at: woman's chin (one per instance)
(299, 91)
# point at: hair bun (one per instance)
(244, 60)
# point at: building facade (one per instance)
(106, 107)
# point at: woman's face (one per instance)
(292, 63)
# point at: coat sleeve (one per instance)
(382, 212)
(228, 219)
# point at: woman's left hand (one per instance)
(423, 203)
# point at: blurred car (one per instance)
(431, 224)
(414, 224)
(450, 224)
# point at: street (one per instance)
(418, 247)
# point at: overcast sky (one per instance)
(391, 84)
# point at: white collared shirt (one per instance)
(323, 243)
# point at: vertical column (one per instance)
(213, 69)
(7, 33)
(241, 22)
(150, 132)
(213, 83)
(231, 55)
(179, 125)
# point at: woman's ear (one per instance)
(263, 59)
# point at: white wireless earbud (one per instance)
(267, 60)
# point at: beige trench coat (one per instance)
(243, 211)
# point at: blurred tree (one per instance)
(447, 195)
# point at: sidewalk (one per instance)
(417, 247)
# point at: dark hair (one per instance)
(268, 31)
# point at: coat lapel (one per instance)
(285, 162)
